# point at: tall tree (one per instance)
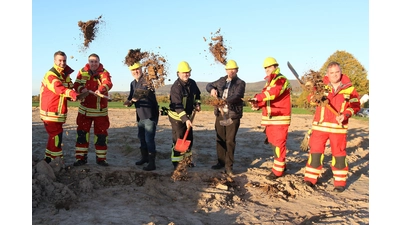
(352, 68)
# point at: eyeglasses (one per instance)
(93, 61)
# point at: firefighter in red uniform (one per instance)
(275, 102)
(341, 95)
(55, 91)
(96, 80)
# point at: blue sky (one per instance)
(305, 34)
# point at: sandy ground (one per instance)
(125, 194)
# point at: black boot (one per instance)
(152, 162)
(145, 157)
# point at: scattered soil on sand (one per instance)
(181, 172)
(123, 193)
(217, 47)
(155, 66)
(89, 30)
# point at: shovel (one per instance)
(225, 122)
(182, 145)
(100, 95)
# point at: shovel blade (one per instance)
(226, 122)
(182, 145)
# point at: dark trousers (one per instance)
(226, 141)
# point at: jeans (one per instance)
(146, 134)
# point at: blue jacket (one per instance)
(147, 105)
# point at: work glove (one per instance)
(304, 146)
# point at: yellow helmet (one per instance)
(269, 61)
(135, 66)
(231, 64)
(184, 67)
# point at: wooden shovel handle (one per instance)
(327, 105)
(332, 109)
(99, 94)
(192, 116)
(187, 130)
(186, 134)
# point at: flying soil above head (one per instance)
(217, 47)
(89, 30)
(155, 66)
(219, 50)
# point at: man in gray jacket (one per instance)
(229, 91)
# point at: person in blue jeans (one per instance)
(147, 114)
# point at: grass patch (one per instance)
(119, 105)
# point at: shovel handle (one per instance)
(186, 134)
(327, 105)
(187, 130)
(100, 95)
(192, 116)
(332, 109)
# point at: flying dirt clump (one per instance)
(217, 47)
(314, 83)
(155, 66)
(218, 102)
(89, 30)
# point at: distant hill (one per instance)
(251, 88)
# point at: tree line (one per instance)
(349, 64)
